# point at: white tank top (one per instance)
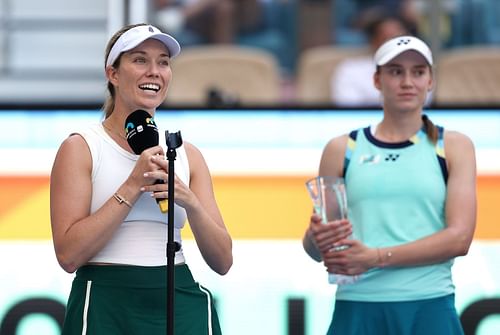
(141, 238)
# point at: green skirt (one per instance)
(119, 299)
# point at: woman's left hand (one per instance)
(354, 259)
(184, 197)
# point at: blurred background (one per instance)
(259, 87)
(280, 52)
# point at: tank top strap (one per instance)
(351, 145)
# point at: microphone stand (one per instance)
(174, 140)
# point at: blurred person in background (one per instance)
(351, 84)
(209, 21)
(411, 194)
(106, 224)
(405, 9)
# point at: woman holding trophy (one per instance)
(411, 195)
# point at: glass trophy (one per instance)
(329, 199)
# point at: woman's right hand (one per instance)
(326, 235)
(145, 164)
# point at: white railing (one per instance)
(52, 51)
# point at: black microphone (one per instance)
(142, 133)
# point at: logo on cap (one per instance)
(151, 29)
(404, 41)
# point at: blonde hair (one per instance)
(109, 104)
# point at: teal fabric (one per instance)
(131, 300)
(396, 194)
(436, 316)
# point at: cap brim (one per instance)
(398, 45)
(170, 43)
(393, 54)
(135, 36)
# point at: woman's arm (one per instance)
(320, 237)
(203, 214)
(460, 209)
(78, 235)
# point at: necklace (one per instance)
(113, 132)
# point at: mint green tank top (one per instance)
(396, 194)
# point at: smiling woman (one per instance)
(106, 224)
(139, 59)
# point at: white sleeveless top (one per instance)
(142, 237)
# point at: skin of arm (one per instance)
(203, 214)
(454, 240)
(77, 234)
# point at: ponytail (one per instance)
(430, 129)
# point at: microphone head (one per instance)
(141, 131)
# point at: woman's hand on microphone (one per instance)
(145, 164)
(183, 195)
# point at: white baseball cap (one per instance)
(396, 46)
(135, 36)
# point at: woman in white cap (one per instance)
(106, 224)
(412, 204)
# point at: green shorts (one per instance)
(436, 316)
(119, 299)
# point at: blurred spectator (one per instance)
(352, 80)
(405, 9)
(208, 21)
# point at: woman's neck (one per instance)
(398, 129)
(114, 127)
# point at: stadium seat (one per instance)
(242, 75)
(468, 76)
(315, 68)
